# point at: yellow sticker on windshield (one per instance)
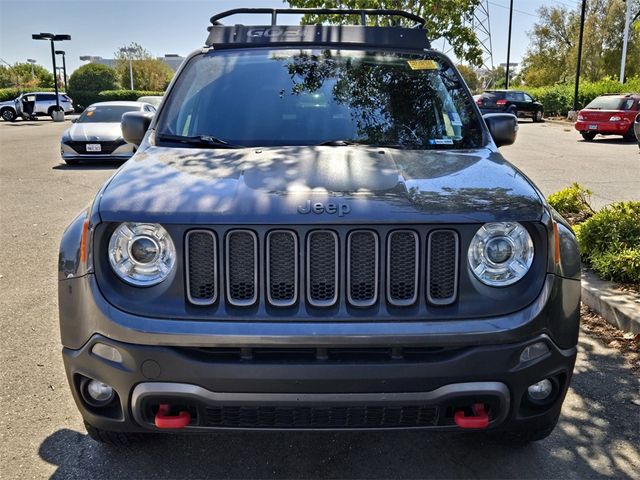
(422, 65)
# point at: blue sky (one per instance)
(100, 27)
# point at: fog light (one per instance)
(533, 351)
(107, 352)
(100, 392)
(540, 391)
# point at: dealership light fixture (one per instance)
(52, 37)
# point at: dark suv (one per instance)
(318, 232)
(517, 103)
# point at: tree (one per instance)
(444, 19)
(24, 75)
(87, 81)
(470, 77)
(552, 54)
(148, 73)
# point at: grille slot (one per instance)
(362, 268)
(242, 267)
(282, 268)
(442, 267)
(201, 267)
(321, 417)
(322, 268)
(402, 268)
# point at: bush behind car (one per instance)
(558, 99)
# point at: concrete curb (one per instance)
(620, 309)
(566, 123)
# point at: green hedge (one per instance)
(12, 93)
(558, 99)
(122, 95)
(82, 100)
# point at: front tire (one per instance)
(115, 439)
(8, 115)
(588, 136)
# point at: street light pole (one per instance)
(625, 40)
(577, 83)
(64, 67)
(506, 82)
(53, 38)
(32, 62)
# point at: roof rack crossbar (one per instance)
(274, 12)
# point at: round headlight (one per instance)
(141, 254)
(500, 254)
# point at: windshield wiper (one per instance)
(197, 141)
(345, 143)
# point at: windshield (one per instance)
(274, 97)
(105, 113)
(610, 103)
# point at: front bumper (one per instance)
(257, 375)
(323, 394)
(123, 152)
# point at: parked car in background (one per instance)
(33, 105)
(517, 103)
(609, 115)
(636, 128)
(151, 99)
(96, 134)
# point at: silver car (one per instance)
(96, 134)
(34, 104)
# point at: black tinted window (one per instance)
(105, 113)
(610, 103)
(47, 97)
(306, 97)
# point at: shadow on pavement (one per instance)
(90, 165)
(596, 437)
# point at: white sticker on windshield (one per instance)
(441, 141)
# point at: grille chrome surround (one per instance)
(191, 271)
(351, 271)
(393, 268)
(233, 270)
(270, 256)
(315, 279)
(442, 278)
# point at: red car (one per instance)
(609, 115)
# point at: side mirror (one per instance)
(134, 126)
(503, 127)
(74, 120)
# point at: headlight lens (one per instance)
(500, 254)
(141, 254)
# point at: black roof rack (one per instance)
(242, 36)
(362, 12)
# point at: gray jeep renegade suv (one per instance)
(318, 232)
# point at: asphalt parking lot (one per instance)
(41, 431)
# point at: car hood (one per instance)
(95, 131)
(283, 185)
(10, 103)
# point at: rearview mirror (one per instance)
(134, 126)
(503, 128)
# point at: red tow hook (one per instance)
(164, 420)
(480, 419)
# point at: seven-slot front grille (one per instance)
(321, 268)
